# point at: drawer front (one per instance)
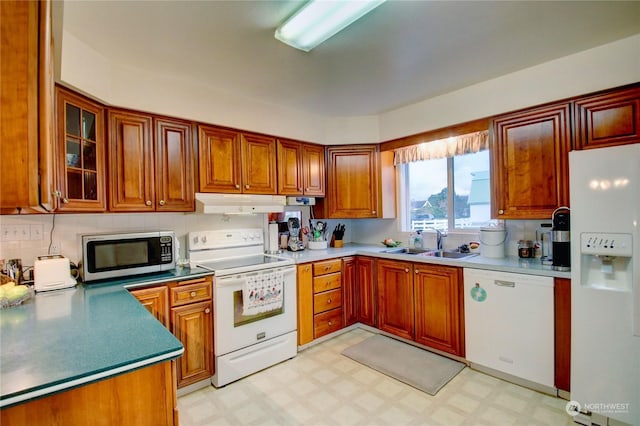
(327, 282)
(327, 267)
(327, 300)
(188, 293)
(327, 322)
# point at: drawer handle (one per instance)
(330, 323)
(328, 301)
(193, 294)
(502, 283)
(326, 268)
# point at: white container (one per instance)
(317, 245)
(492, 241)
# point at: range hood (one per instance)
(238, 203)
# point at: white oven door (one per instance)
(233, 329)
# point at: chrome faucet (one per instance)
(439, 236)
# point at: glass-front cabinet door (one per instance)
(81, 159)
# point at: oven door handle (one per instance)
(239, 279)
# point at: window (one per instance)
(446, 193)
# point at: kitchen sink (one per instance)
(448, 254)
(407, 251)
(430, 253)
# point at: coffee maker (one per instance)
(295, 243)
(561, 239)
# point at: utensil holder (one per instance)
(317, 245)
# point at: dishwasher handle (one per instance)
(503, 283)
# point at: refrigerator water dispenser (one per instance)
(606, 261)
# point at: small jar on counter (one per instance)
(525, 249)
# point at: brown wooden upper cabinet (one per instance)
(607, 119)
(81, 167)
(148, 173)
(529, 162)
(234, 162)
(26, 89)
(300, 169)
(358, 183)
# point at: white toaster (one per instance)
(52, 273)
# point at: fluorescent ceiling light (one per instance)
(320, 19)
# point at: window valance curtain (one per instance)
(450, 147)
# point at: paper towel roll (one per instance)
(274, 239)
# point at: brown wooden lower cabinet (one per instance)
(186, 308)
(439, 308)
(156, 300)
(562, 311)
(141, 397)
(358, 302)
(350, 296)
(395, 298)
(305, 303)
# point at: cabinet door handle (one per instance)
(65, 200)
(417, 271)
(373, 212)
(148, 203)
(406, 269)
(306, 189)
(502, 283)
(162, 203)
(500, 211)
(246, 186)
(237, 186)
(206, 311)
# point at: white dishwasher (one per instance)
(509, 323)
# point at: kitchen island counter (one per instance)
(506, 264)
(62, 339)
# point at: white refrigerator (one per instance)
(605, 275)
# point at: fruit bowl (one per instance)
(14, 295)
(391, 243)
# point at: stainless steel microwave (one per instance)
(126, 254)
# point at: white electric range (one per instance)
(254, 318)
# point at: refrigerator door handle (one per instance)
(503, 283)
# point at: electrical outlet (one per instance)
(55, 247)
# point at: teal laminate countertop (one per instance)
(66, 338)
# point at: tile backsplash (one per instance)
(64, 230)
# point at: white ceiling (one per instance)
(401, 53)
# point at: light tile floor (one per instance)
(322, 387)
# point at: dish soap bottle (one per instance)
(418, 241)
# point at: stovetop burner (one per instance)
(231, 251)
(241, 262)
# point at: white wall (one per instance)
(603, 67)
(611, 65)
(87, 70)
